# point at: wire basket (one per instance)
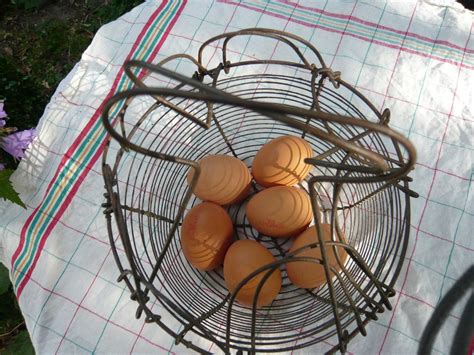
(358, 183)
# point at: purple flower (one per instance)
(2, 123)
(16, 143)
(3, 114)
(2, 166)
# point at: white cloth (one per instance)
(416, 58)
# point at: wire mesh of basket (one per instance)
(161, 127)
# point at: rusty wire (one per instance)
(359, 185)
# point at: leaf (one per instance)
(6, 188)
(4, 280)
(20, 345)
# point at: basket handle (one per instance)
(278, 112)
(132, 65)
(269, 33)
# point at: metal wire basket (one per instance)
(160, 128)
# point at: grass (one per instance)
(38, 48)
(40, 41)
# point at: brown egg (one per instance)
(306, 274)
(280, 211)
(243, 258)
(206, 234)
(281, 162)
(223, 179)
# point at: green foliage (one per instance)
(51, 49)
(111, 11)
(20, 345)
(25, 96)
(10, 316)
(9, 313)
(27, 4)
(4, 280)
(6, 189)
(41, 53)
(14, 339)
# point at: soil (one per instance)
(38, 47)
